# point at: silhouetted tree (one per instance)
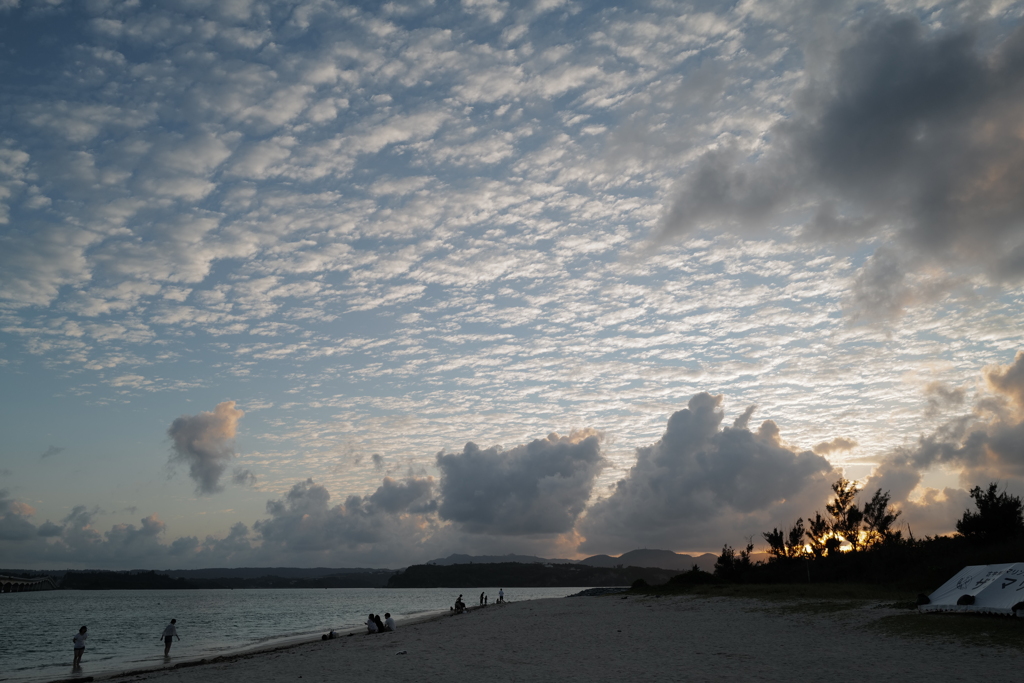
(879, 517)
(795, 540)
(733, 566)
(846, 516)
(818, 534)
(1000, 516)
(776, 543)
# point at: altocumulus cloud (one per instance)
(896, 129)
(205, 442)
(536, 488)
(702, 484)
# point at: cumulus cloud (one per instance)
(984, 445)
(14, 522)
(304, 522)
(839, 443)
(897, 129)
(701, 485)
(536, 488)
(941, 397)
(205, 442)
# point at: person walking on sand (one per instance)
(481, 598)
(79, 641)
(170, 633)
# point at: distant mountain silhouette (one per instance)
(662, 559)
(495, 559)
(258, 572)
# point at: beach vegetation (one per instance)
(860, 542)
(999, 518)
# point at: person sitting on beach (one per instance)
(371, 625)
(380, 624)
(169, 634)
(79, 641)
(389, 623)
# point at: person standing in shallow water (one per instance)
(169, 634)
(79, 641)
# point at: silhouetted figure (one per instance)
(79, 641)
(169, 634)
(371, 625)
(485, 600)
(389, 623)
(501, 595)
(481, 598)
(380, 624)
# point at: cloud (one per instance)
(205, 442)
(14, 523)
(837, 444)
(52, 450)
(388, 522)
(897, 129)
(941, 397)
(984, 445)
(702, 485)
(536, 488)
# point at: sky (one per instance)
(312, 283)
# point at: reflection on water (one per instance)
(125, 627)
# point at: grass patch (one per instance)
(966, 629)
(864, 592)
(819, 607)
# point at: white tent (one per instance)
(991, 588)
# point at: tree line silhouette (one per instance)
(852, 542)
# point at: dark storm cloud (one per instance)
(702, 485)
(205, 442)
(900, 130)
(536, 488)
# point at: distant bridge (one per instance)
(19, 584)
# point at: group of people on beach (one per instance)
(460, 606)
(375, 625)
(168, 636)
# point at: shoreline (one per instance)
(275, 645)
(618, 637)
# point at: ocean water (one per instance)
(125, 626)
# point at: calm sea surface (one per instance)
(125, 626)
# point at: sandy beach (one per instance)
(611, 638)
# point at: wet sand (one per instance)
(613, 639)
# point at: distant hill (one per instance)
(522, 574)
(258, 572)
(662, 559)
(495, 559)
